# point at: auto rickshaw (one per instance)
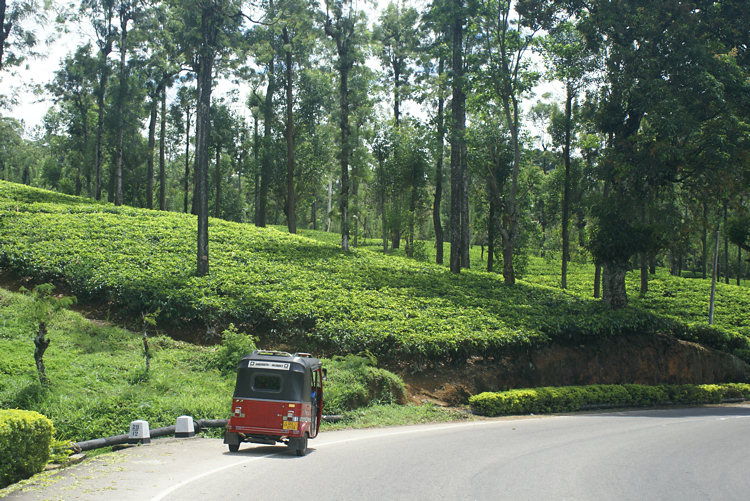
(278, 397)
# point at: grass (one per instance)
(300, 292)
(98, 383)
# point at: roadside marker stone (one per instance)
(184, 427)
(139, 432)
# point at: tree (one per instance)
(398, 37)
(185, 103)
(73, 89)
(344, 25)
(491, 153)
(127, 11)
(507, 31)
(437, 49)
(297, 36)
(452, 15)
(43, 308)
(211, 26)
(101, 13)
(665, 111)
(222, 135)
(161, 67)
(569, 61)
(398, 40)
(16, 39)
(266, 50)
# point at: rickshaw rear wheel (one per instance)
(234, 447)
(301, 444)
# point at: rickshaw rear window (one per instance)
(267, 383)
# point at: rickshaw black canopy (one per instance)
(275, 376)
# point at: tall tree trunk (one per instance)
(120, 108)
(597, 281)
(217, 179)
(465, 230)
(437, 224)
(642, 255)
(256, 172)
(291, 204)
(345, 147)
(566, 187)
(726, 246)
(267, 159)
(314, 212)
(187, 159)
(396, 95)
(380, 155)
(100, 95)
(510, 218)
(150, 155)
(203, 130)
(714, 277)
(162, 152)
(739, 265)
(330, 205)
(704, 242)
(4, 31)
(458, 127)
(491, 232)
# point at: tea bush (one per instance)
(575, 398)
(234, 346)
(308, 294)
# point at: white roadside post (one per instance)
(139, 432)
(184, 427)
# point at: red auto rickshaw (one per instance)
(278, 397)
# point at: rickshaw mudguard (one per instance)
(231, 438)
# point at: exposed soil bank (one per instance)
(643, 359)
(633, 359)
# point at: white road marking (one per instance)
(407, 431)
(162, 495)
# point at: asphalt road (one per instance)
(679, 454)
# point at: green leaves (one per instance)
(307, 293)
(575, 398)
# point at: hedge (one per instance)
(295, 291)
(575, 398)
(25, 441)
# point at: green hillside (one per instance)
(308, 294)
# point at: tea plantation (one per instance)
(308, 294)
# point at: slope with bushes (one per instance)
(98, 381)
(292, 290)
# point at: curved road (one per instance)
(680, 454)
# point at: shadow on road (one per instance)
(718, 411)
(272, 451)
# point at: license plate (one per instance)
(290, 425)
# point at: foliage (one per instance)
(354, 382)
(94, 368)
(397, 415)
(25, 443)
(574, 398)
(308, 294)
(680, 306)
(234, 346)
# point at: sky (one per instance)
(25, 82)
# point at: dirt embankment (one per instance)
(641, 359)
(632, 359)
